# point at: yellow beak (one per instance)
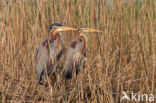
(63, 28)
(92, 30)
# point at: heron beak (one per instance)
(92, 30)
(63, 28)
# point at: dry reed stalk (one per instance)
(122, 58)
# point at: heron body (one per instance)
(49, 52)
(47, 56)
(76, 56)
(76, 53)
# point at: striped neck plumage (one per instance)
(55, 35)
(83, 39)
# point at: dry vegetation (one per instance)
(122, 58)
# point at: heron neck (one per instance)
(82, 38)
(56, 36)
(57, 39)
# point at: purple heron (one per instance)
(49, 52)
(75, 56)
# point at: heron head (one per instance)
(86, 29)
(57, 27)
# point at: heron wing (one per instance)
(69, 62)
(74, 61)
(42, 61)
(46, 56)
(78, 61)
(37, 54)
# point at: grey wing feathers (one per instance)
(37, 54)
(45, 59)
(41, 60)
(78, 61)
(69, 62)
(74, 62)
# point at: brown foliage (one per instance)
(122, 58)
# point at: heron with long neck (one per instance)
(49, 52)
(75, 57)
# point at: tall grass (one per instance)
(122, 58)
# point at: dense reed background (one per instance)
(122, 58)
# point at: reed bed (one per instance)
(121, 58)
